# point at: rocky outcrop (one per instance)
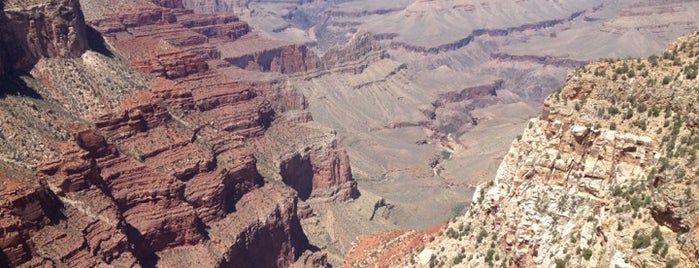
(360, 51)
(31, 30)
(309, 158)
(219, 25)
(263, 232)
(228, 6)
(372, 249)
(169, 3)
(286, 59)
(379, 11)
(23, 207)
(231, 6)
(31, 216)
(468, 93)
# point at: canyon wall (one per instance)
(33, 30)
(152, 163)
(604, 177)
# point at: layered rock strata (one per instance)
(309, 158)
(32, 30)
(148, 167)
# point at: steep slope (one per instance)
(125, 143)
(605, 177)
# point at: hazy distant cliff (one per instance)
(605, 177)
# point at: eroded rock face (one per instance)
(287, 59)
(38, 29)
(361, 50)
(309, 158)
(169, 3)
(213, 6)
(105, 165)
(23, 207)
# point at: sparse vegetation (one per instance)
(641, 240)
(666, 80)
(672, 263)
(459, 258)
(489, 256)
(482, 234)
(587, 253)
(445, 154)
(560, 263)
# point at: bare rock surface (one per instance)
(33, 30)
(129, 143)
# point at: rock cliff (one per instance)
(32, 30)
(604, 177)
(131, 143)
(309, 158)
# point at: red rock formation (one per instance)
(215, 25)
(37, 29)
(385, 248)
(74, 171)
(309, 158)
(22, 208)
(168, 3)
(127, 18)
(286, 60)
(263, 232)
(163, 170)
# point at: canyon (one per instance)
(129, 140)
(418, 128)
(229, 133)
(604, 177)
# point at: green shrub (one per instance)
(587, 253)
(481, 235)
(659, 245)
(433, 261)
(451, 233)
(622, 70)
(672, 263)
(445, 154)
(653, 59)
(641, 241)
(489, 256)
(613, 110)
(657, 234)
(641, 108)
(459, 258)
(560, 263)
(668, 55)
(666, 80)
(663, 252)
